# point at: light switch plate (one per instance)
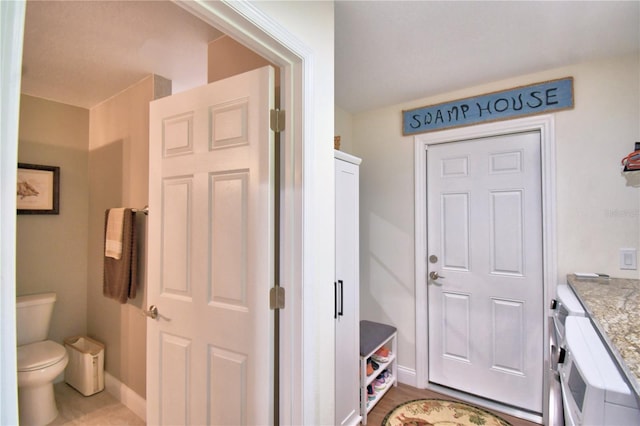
(628, 258)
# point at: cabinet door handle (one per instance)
(335, 299)
(562, 355)
(341, 313)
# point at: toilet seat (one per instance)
(35, 356)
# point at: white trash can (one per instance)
(85, 370)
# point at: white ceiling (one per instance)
(83, 52)
(387, 52)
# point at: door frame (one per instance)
(545, 124)
(12, 15)
(250, 26)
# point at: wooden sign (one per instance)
(526, 100)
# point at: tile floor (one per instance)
(98, 409)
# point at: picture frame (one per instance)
(38, 189)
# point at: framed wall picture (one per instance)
(38, 189)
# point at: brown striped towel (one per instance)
(121, 275)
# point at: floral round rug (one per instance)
(432, 412)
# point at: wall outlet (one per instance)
(628, 258)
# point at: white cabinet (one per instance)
(346, 290)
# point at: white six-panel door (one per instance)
(209, 352)
(485, 235)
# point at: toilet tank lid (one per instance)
(35, 299)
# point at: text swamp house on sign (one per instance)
(526, 100)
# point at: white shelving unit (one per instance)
(374, 336)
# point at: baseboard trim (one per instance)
(126, 396)
(407, 376)
(138, 404)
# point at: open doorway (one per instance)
(289, 263)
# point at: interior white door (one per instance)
(211, 255)
(485, 286)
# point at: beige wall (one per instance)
(51, 249)
(344, 129)
(597, 210)
(119, 177)
(227, 57)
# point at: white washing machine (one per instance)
(564, 305)
(556, 408)
(594, 393)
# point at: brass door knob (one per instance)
(152, 312)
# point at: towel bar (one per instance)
(144, 210)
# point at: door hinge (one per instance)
(277, 120)
(276, 298)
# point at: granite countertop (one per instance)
(614, 307)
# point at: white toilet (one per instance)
(40, 360)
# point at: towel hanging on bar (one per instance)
(120, 275)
